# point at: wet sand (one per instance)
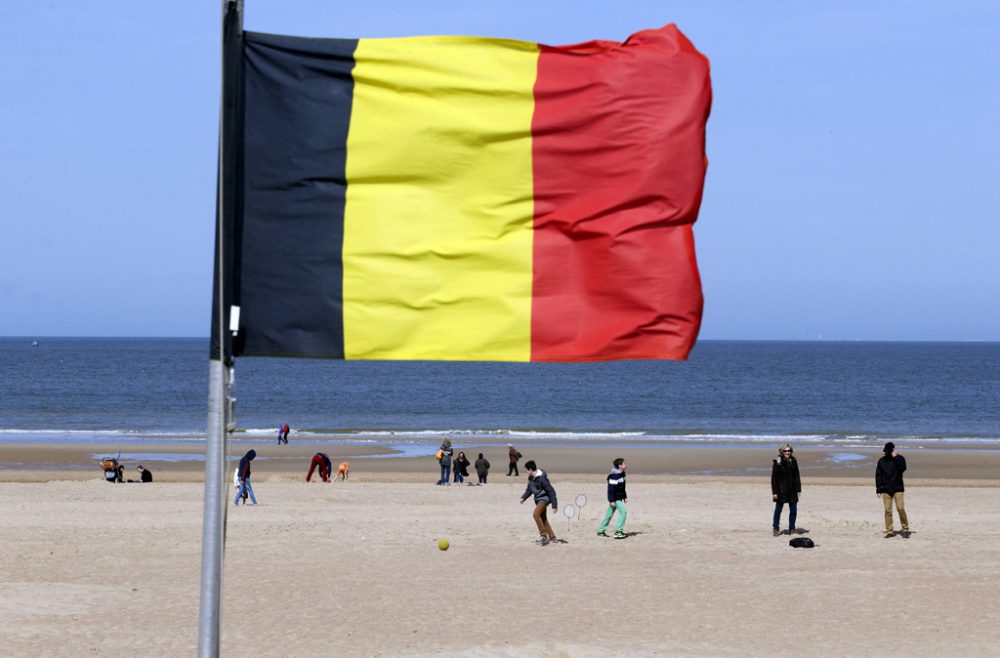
(183, 461)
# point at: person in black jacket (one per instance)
(786, 487)
(461, 468)
(616, 500)
(889, 485)
(243, 473)
(545, 494)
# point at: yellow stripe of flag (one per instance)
(439, 211)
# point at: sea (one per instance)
(127, 392)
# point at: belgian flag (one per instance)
(467, 198)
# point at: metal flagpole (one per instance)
(220, 363)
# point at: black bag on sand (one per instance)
(801, 542)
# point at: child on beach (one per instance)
(541, 489)
(616, 500)
(344, 471)
(786, 487)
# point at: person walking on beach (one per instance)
(284, 433)
(244, 474)
(482, 468)
(461, 468)
(514, 456)
(617, 498)
(444, 459)
(786, 487)
(545, 495)
(889, 485)
(323, 463)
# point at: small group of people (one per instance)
(322, 462)
(538, 487)
(786, 489)
(283, 433)
(458, 466)
(115, 472)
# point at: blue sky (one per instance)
(853, 189)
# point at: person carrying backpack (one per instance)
(444, 459)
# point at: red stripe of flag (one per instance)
(619, 163)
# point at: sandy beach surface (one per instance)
(354, 569)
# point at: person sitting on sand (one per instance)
(145, 475)
(540, 487)
(323, 463)
(344, 470)
(786, 487)
(482, 468)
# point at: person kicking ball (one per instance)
(541, 489)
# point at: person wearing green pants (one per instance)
(616, 500)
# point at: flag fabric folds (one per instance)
(470, 199)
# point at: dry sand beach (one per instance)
(353, 569)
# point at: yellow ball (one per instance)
(443, 544)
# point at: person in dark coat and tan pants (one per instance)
(889, 486)
(786, 487)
